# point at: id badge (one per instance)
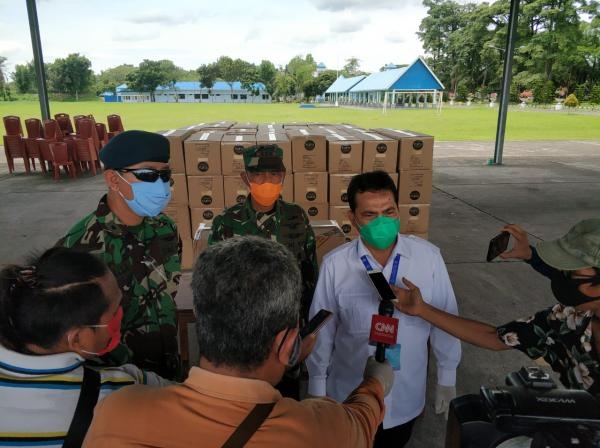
(392, 354)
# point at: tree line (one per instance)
(557, 49)
(72, 76)
(557, 52)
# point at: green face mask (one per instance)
(381, 232)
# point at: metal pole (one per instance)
(506, 78)
(38, 59)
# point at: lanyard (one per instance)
(395, 265)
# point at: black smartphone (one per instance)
(498, 244)
(316, 323)
(382, 285)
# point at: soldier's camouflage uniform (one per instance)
(146, 260)
(287, 224)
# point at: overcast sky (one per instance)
(195, 32)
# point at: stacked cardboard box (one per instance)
(309, 166)
(415, 163)
(321, 159)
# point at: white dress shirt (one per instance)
(336, 363)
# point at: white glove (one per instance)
(443, 396)
(381, 371)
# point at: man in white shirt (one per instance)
(335, 365)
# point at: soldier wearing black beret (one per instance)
(141, 246)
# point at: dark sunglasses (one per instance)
(148, 174)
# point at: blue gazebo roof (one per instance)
(343, 85)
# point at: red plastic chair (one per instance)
(12, 124)
(86, 147)
(58, 154)
(35, 131)
(102, 134)
(76, 119)
(53, 133)
(115, 125)
(64, 121)
(14, 148)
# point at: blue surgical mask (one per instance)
(149, 198)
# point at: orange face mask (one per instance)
(265, 194)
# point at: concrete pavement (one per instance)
(544, 186)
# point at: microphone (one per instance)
(384, 329)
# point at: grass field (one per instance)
(452, 123)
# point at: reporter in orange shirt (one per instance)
(246, 299)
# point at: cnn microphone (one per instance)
(384, 329)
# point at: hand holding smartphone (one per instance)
(382, 285)
(316, 323)
(498, 244)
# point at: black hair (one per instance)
(41, 301)
(371, 181)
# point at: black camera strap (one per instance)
(88, 397)
(249, 426)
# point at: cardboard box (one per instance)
(245, 125)
(280, 139)
(235, 190)
(203, 215)
(414, 218)
(310, 187)
(205, 191)
(176, 138)
(344, 153)
(180, 213)
(415, 149)
(338, 188)
(315, 210)
(287, 194)
(187, 262)
(415, 187)
(203, 153)
(232, 152)
(394, 177)
(339, 214)
(308, 151)
(379, 152)
(179, 190)
(328, 236)
(270, 127)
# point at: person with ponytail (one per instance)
(56, 311)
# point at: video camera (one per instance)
(530, 411)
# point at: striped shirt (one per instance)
(38, 395)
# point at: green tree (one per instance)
(151, 74)
(3, 77)
(71, 75)
(208, 74)
(109, 79)
(351, 68)
(595, 94)
(301, 71)
(571, 101)
(24, 78)
(317, 86)
(267, 74)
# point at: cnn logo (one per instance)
(385, 328)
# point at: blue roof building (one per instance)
(412, 86)
(194, 92)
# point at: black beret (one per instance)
(130, 147)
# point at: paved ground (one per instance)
(545, 186)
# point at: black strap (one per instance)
(249, 426)
(88, 397)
